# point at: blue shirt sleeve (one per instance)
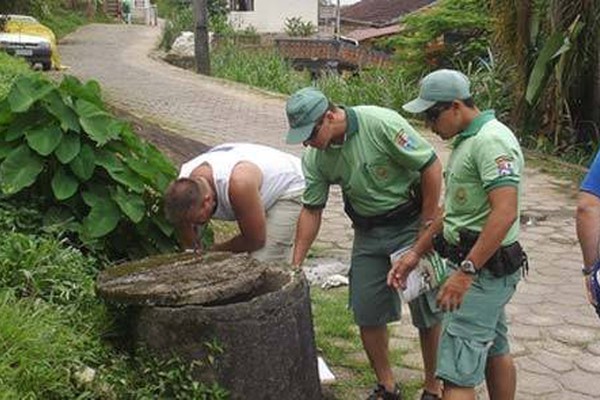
(591, 182)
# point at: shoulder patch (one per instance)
(403, 140)
(504, 164)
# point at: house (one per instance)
(371, 19)
(268, 16)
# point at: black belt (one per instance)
(404, 212)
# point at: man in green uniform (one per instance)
(479, 235)
(391, 179)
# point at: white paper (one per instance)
(325, 374)
(423, 277)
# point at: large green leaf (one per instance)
(44, 139)
(103, 217)
(97, 123)
(68, 148)
(64, 185)
(6, 115)
(6, 148)
(55, 104)
(26, 91)
(89, 92)
(22, 122)
(20, 169)
(84, 163)
(108, 160)
(128, 178)
(131, 204)
(543, 65)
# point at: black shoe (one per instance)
(429, 396)
(379, 393)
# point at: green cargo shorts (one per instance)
(372, 301)
(476, 331)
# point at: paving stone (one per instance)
(536, 386)
(589, 363)
(552, 361)
(565, 395)
(561, 349)
(530, 365)
(405, 375)
(538, 320)
(413, 360)
(403, 344)
(573, 335)
(581, 382)
(594, 348)
(525, 332)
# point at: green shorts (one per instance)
(476, 331)
(372, 301)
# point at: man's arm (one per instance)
(504, 210)
(588, 227)
(431, 187)
(307, 228)
(244, 195)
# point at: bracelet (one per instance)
(587, 270)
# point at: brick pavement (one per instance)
(555, 335)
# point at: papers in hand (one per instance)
(429, 274)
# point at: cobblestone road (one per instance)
(555, 335)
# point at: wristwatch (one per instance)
(468, 267)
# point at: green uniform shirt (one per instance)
(379, 161)
(485, 156)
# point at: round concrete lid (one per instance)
(181, 279)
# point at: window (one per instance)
(241, 5)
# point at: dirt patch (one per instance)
(177, 148)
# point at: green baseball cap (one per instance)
(440, 85)
(304, 108)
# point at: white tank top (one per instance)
(282, 172)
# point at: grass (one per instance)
(338, 340)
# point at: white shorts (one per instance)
(281, 228)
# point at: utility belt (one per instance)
(505, 261)
(407, 211)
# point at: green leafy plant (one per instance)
(296, 26)
(98, 179)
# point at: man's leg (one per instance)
(281, 226)
(452, 392)
(375, 343)
(429, 339)
(501, 377)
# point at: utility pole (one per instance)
(201, 37)
(337, 21)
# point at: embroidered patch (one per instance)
(403, 140)
(381, 172)
(504, 165)
(460, 195)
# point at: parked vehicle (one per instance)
(24, 36)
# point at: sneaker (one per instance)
(379, 393)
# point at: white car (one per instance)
(35, 49)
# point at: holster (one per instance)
(505, 261)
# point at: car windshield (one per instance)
(21, 18)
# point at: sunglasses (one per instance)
(316, 129)
(433, 113)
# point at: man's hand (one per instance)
(401, 268)
(453, 291)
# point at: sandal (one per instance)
(379, 393)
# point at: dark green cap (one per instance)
(440, 86)
(304, 108)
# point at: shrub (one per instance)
(10, 69)
(94, 175)
(295, 26)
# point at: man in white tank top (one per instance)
(257, 186)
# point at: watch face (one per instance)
(468, 267)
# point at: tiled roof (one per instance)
(370, 33)
(381, 12)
